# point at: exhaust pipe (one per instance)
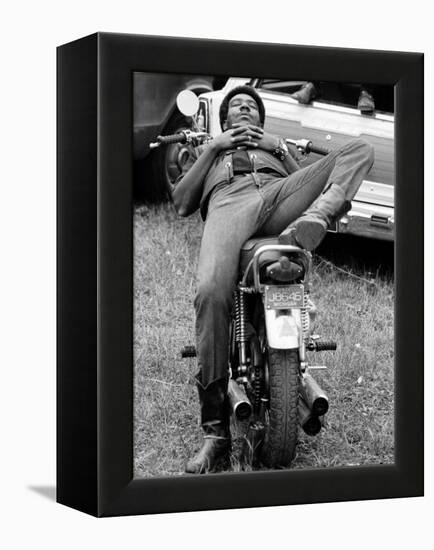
(238, 400)
(315, 398)
(310, 423)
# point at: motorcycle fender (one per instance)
(283, 331)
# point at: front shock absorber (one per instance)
(240, 330)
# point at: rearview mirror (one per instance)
(187, 102)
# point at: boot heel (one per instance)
(310, 229)
(306, 234)
(288, 237)
(215, 423)
(310, 233)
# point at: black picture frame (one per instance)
(95, 275)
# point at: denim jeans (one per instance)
(257, 205)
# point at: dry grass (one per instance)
(359, 381)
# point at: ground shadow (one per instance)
(45, 490)
(359, 254)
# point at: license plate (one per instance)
(284, 297)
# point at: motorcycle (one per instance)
(271, 388)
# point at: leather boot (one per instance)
(310, 228)
(366, 104)
(305, 94)
(215, 423)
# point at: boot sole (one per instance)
(221, 463)
(288, 237)
(309, 234)
(306, 234)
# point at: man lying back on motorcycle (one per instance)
(247, 183)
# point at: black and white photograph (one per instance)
(216, 227)
(264, 228)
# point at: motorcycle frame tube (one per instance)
(95, 347)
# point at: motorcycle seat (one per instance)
(251, 246)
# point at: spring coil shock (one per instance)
(240, 317)
(305, 320)
(240, 328)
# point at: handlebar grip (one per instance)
(172, 138)
(311, 148)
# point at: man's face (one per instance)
(242, 109)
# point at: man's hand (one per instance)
(229, 139)
(254, 137)
(245, 136)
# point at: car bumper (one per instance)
(368, 220)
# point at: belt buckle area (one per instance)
(256, 179)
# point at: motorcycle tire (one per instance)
(281, 428)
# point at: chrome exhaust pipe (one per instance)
(310, 423)
(316, 399)
(238, 400)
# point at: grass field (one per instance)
(354, 295)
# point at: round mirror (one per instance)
(187, 102)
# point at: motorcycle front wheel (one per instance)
(281, 425)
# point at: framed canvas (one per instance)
(102, 362)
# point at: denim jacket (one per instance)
(221, 170)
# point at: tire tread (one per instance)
(283, 428)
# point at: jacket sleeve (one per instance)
(193, 155)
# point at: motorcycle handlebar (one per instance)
(185, 136)
(172, 138)
(306, 146)
(311, 148)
